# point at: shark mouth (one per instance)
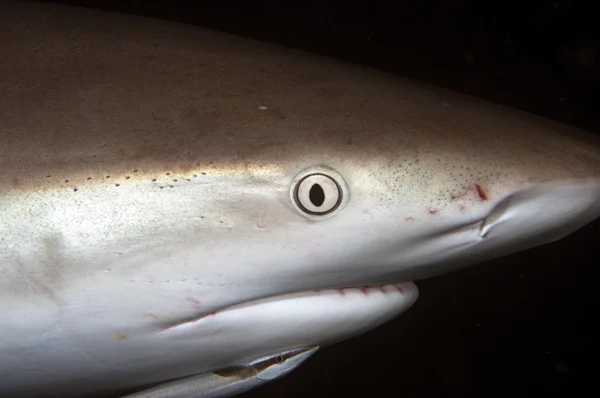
(386, 292)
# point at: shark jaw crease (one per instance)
(184, 325)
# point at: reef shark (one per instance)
(176, 200)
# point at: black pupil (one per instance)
(316, 195)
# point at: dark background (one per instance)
(518, 326)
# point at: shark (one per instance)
(175, 201)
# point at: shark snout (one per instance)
(542, 213)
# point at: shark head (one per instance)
(175, 200)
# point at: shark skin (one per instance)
(158, 211)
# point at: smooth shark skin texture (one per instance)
(146, 227)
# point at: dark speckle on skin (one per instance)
(120, 336)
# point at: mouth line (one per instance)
(365, 291)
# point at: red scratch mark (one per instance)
(365, 291)
(433, 211)
(400, 289)
(193, 301)
(409, 219)
(462, 209)
(481, 192)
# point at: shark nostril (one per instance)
(484, 229)
(494, 217)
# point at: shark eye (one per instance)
(319, 192)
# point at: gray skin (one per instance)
(148, 230)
